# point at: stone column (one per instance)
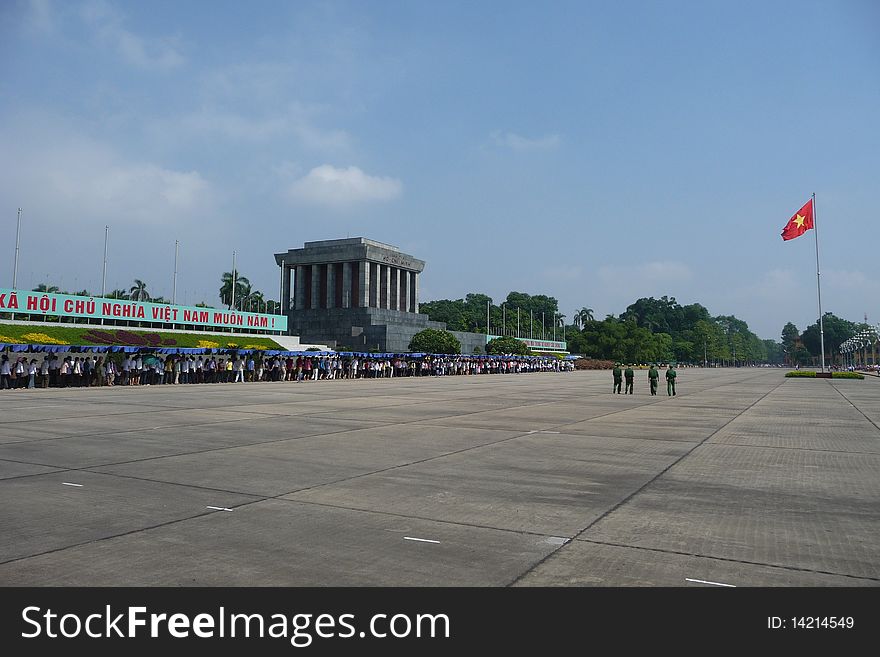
(364, 284)
(316, 286)
(403, 302)
(331, 285)
(387, 285)
(299, 283)
(346, 285)
(395, 289)
(285, 288)
(415, 293)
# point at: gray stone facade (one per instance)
(357, 294)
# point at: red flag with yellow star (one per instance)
(800, 223)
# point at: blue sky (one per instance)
(595, 152)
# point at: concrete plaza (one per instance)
(744, 478)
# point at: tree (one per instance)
(583, 316)
(837, 331)
(435, 341)
(252, 301)
(507, 345)
(138, 291)
(49, 289)
(790, 335)
(242, 286)
(118, 294)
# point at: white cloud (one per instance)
(564, 273)
(848, 280)
(297, 121)
(71, 180)
(648, 274)
(41, 15)
(145, 53)
(330, 186)
(520, 143)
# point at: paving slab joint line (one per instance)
(727, 559)
(454, 523)
(645, 485)
(876, 426)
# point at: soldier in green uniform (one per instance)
(628, 374)
(670, 380)
(617, 377)
(653, 377)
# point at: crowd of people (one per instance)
(175, 369)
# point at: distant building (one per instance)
(358, 294)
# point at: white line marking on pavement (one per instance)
(423, 540)
(218, 508)
(702, 581)
(549, 432)
(64, 483)
(556, 540)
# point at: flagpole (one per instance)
(818, 285)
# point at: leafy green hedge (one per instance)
(811, 374)
(846, 375)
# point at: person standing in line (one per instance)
(32, 373)
(44, 373)
(5, 373)
(670, 380)
(99, 372)
(629, 375)
(618, 377)
(87, 368)
(63, 373)
(19, 373)
(653, 378)
(53, 370)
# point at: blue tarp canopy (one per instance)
(50, 348)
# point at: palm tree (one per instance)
(49, 289)
(242, 286)
(583, 316)
(118, 294)
(139, 291)
(253, 301)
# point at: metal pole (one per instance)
(174, 283)
(15, 266)
(487, 317)
(818, 286)
(232, 298)
(104, 271)
(517, 323)
(543, 326)
(503, 319)
(531, 324)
